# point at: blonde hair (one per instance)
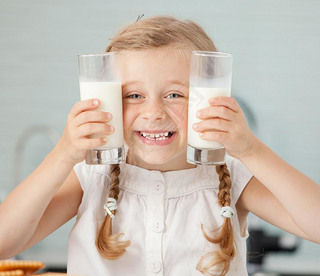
(156, 32)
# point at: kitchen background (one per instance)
(276, 79)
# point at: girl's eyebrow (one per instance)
(178, 82)
(128, 83)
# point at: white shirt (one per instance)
(161, 214)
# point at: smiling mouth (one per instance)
(156, 136)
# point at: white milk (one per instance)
(110, 96)
(198, 99)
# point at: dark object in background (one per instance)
(57, 269)
(259, 244)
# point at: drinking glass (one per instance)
(100, 78)
(210, 76)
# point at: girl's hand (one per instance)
(83, 122)
(225, 123)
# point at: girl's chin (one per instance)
(156, 155)
(152, 157)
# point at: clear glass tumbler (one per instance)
(210, 76)
(100, 78)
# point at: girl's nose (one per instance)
(153, 111)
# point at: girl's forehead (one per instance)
(174, 54)
(155, 65)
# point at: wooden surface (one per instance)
(51, 274)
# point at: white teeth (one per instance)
(158, 136)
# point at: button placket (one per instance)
(155, 226)
(154, 266)
(158, 187)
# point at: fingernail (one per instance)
(199, 113)
(211, 100)
(201, 134)
(109, 116)
(195, 126)
(111, 128)
(95, 102)
(105, 139)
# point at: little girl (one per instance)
(156, 214)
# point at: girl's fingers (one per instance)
(95, 128)
(228, 102)
(93, 142)
(92, 116)
(215, 124)
(83, 106)
(214, 136)
(216, 112)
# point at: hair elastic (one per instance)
(111, 205)
(226, 212)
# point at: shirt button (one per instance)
(158, 187)
(156, 225)
(154, 266)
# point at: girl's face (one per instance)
(155, 107)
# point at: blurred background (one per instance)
(276, 80)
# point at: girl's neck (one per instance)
(179, 163)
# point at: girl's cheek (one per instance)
(128, 113)
(179, 113)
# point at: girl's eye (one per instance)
(134, 96)
(174, 95)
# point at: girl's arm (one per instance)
(50, 196)
(287, 198)
(32, 211)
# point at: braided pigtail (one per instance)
(220, 259)
(109, 246)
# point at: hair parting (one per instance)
(107, 244)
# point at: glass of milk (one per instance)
(210, 76)
(100, 78)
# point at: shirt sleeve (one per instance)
(82, 171)
(240, 176)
